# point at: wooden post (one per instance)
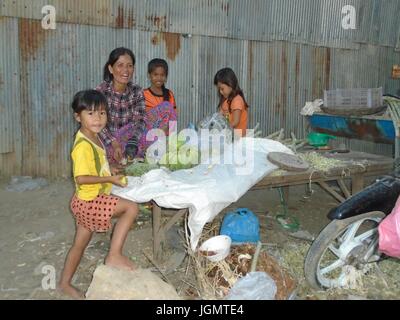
(156, 229)
(357, 183)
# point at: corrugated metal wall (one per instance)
(306, 52)
(316, 22)
(10, 102)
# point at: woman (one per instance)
(126, 107)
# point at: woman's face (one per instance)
(122, 70)
(224, 90)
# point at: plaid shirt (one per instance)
(123, 108)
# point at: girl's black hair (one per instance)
(155, 63)
(88, 100)
(114, 56)
(228, 77)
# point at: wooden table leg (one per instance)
(156, 229)
(344, 189)
(160, 230)
(332, 192)
(357, 183)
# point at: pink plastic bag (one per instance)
(389, 233)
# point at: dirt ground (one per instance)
(37, 230)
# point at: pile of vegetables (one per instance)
(179, 156)
(139, 168)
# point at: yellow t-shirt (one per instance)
(89, 160)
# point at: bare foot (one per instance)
(120, 262)
(71, 291)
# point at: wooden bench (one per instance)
(372, 165)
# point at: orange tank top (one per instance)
(153, 100)
(236, 104)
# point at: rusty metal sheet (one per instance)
(10, 112)
(312, 22)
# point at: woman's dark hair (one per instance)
(155, 63)
(228, 77)
(88, 100)
(114, 56)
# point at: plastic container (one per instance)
(316, 139)
(353, 98)
(242, 226)
(216, 248)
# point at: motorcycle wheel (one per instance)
(341, 243)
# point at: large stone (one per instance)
(114, 284)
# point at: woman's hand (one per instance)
(117, 150)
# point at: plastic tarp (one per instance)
(205, 189)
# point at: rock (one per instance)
(303, 235)
(26, 183)
(114, 284)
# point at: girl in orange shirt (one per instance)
(232, 103)
(157, 93)
(159, 101)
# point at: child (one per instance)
(157, 93)
(232, 103)
(159, 101)
(92, 205)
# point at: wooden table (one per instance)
(366, 165)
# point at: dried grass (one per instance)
(371, 285)
(320, 163)
(215, 279)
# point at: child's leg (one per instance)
(82, 238)
(126, 211)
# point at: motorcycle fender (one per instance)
(380, 196)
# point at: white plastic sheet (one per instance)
(205, 190)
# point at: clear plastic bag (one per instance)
(215, 121)
(254, 286)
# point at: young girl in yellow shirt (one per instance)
(92, 204)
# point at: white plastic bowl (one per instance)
(221, 245)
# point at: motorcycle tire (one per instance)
(327, 236)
